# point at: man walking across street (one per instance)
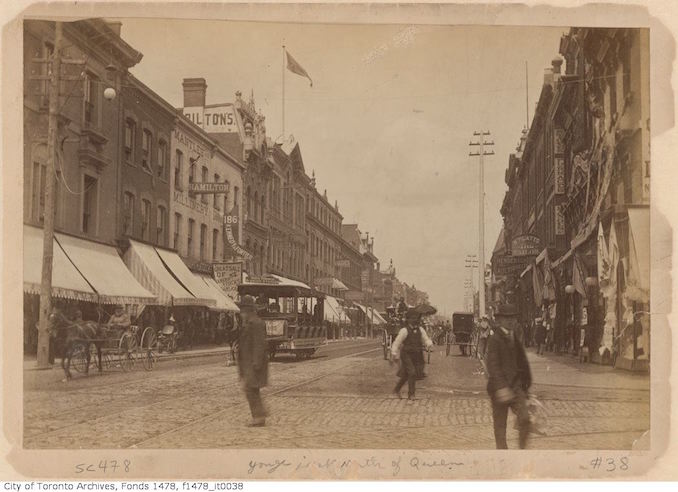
(509, 376)
(407, 347)
(252, 359)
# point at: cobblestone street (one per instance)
(339, 399)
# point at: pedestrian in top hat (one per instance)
(407, 347)
(509, 376)
(253, 359)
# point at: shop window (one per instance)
(160, 227)
(178, 169)
(215, 244)
(128, 214)
(162, 159)
(146, 149)
(89, 204)
(145, 219)
(130, 137)
(90, 99)
(189, 237)
(217, 196)
(204, 198)
(203, 238)
(177, 231)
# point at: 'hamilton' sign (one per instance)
(208, 187)
(526, 245)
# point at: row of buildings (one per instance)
(574, 249)
(204, 182)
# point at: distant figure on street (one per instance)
(509, 376)
(253, 359)
(484, 333)
(407, 347)
(540, 336)
(401, 310)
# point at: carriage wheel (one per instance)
(149, 343)
(79, 357)
(126, 351)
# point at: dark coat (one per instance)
(507, 364)
(252, 355)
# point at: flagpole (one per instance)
(283, 91)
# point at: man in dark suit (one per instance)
(509, 376)
(253, 359)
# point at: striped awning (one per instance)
(188, 279)
(67, 282)
(223, 302)
(103, 269)
(147, 267)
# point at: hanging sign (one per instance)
(228, 275)
(231, 219)
(510, 265)
(208, 188)
(526, 245)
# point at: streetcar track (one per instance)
(232, 386)
(207, 418)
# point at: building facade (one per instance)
(88, 149)
(324, 227)
(579, 184)
(147, 122)
(197, 220)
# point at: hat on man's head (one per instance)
(506, 311)
(246, 302)
(412, 314)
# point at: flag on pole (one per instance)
(294, 67)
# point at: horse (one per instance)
(71, 336)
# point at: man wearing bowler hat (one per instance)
(407, 347)
(252, 359)
(509, 376)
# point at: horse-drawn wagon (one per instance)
(114, 345)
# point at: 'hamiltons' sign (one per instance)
(213, 119)
(208, 187)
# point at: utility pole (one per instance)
(50, 177)
(471, 262)
(482, 143)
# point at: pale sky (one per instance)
(386, 125)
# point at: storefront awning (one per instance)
(331, 282)
(105, 271)
(333, 310)
(375, 317)
(224, 303)
(67, 282)
(147, 267)
(289, 282)
(188, 279)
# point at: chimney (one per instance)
(556, 63)
(116, 26)
(195, 91)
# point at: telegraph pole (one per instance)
(471, 262)
(48, 230)
(482, 143)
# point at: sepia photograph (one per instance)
(283, 235)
